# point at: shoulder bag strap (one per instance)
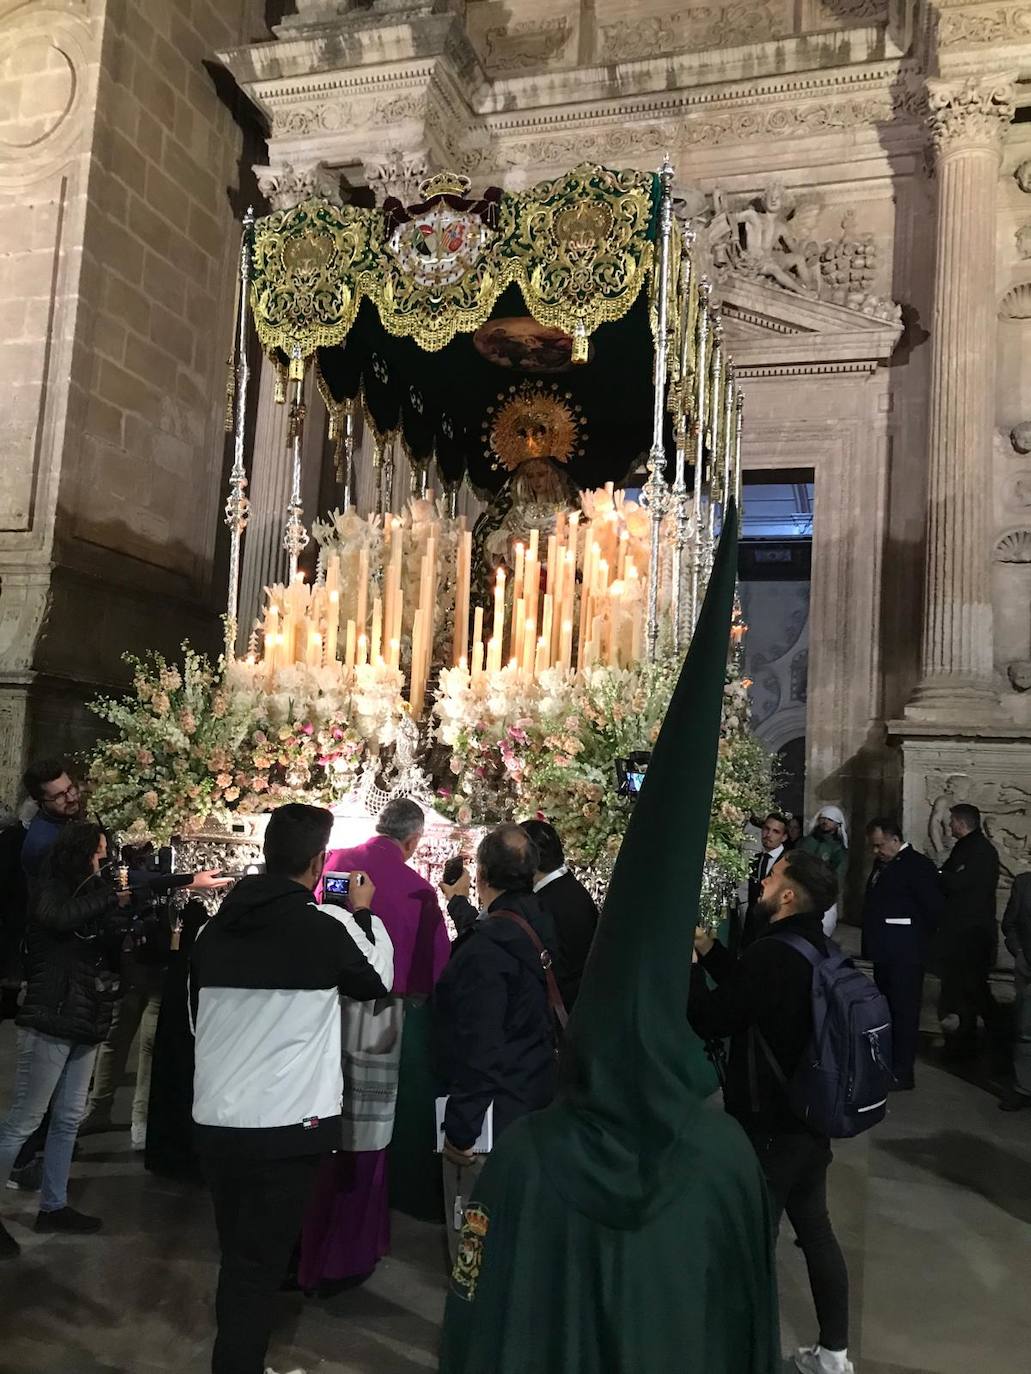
(554, 996)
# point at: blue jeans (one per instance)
(50, 1073)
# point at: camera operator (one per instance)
(76, 927)
(153, 884)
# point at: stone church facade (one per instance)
(858, 175)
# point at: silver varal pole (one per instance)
(729, 411)
(656, 489)
(680, 497)
(740, 407)
(347, 457)
(701, 423)
(295, 536)
(237, 504)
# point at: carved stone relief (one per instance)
(1006, 23)
(696, 27)
(1022, 176)
(998, 790)
(1014, 547)
(1023, 240)
(771, 237)
(1016, 304)
(972, 112)
(525, 45)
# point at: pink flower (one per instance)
(161, 704)
(144, 758)
(308, 729)
(465, 815)
(223, 780)
(188, 722)
(231, 794)
(259, 783)
(150, 801)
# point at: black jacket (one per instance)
(970, 877)
(494, 1029)
(575, 915)
(902, 908)
(1016, 923)
(265, 977)
(769, 987)
(72, 959)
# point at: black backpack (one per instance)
(840, 1086)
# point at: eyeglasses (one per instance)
(68, 793)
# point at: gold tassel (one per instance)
(297, 367)
(581, 344)
(280, 385)
(334, 424)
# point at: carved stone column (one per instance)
(967, 120)
(397, 173)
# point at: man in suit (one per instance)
(571, 907)
(900, 915)
(1016, 931)
(969, 935)
(773, 836)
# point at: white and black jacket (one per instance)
(265, 980)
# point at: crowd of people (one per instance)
(329, 1013)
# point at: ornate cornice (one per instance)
(970, 113)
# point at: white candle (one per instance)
(377, 631)
(498, 634)
(478, 642)
(314, 649)
(566, 645)
(332, 626)
(349, 649)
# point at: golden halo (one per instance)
(534, 423)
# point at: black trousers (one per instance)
(903, 986)
(966, 964)
(259, 1209)
(795, 1166)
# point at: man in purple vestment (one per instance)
(347, 1229)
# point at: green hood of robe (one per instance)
(632, 1076)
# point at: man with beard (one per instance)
(763, 1003)
(57, 797)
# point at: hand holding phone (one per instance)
(360, 893)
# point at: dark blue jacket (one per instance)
(904, 902)
(40, 838)
(494, 1029)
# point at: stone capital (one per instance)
(287, 185)
(969, 113)
(397, 173)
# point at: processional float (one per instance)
(533, 345)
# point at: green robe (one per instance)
(692, 1291)
(625, 1229)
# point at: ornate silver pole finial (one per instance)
(295, 536)
(656, 491)
(237, 505)
(738, 420)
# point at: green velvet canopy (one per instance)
(436, 315)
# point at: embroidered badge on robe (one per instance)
(466, 1272)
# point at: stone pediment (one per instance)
(769, 329)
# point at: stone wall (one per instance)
(120, 175)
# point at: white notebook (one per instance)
(485, 1141)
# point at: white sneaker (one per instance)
(813, 1359)
(138, 1136)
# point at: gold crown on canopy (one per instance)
(444, 184)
